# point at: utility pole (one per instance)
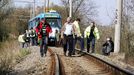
(34, 9)
(44, 6)
(48, 6)
(118, 27)
(31, 10)
(70, 12)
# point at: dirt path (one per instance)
(79, 65)
(33, 64)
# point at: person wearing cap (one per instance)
(91, 33)
(108, 46)
(67, 33)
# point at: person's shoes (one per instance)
(87, 51)
(69, 54)
(92, 51)
(73, 53)
(64, 54)
(79, 52)
(41, 55)
(45, 55)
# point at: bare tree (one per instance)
(13, 20)
(127, 30)
(21, 17)
(86, 9)
(5, 10)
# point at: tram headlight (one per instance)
(52, 34)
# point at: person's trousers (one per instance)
(23, 44)
(92, 40)
(104, 51)
(43, 46)
(33, 41)
(81, 43)
(68, 43)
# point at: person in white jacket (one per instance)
(67, 32)
(21, 39)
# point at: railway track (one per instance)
(57, 67)
(108, 68)
(96, 65)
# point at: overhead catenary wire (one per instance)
(111, 17)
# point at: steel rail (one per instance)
(119, 70)
(57, 67)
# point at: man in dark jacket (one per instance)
(43, 30)
(108, 47)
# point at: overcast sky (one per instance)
(106, 8)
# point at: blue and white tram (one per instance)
(53, 18)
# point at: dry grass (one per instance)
(6, 56)
(22, 54)
(10, 53)
(127, 42)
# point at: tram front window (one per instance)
(54, 23)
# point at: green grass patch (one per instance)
(24, 52)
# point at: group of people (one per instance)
(28, 38)
(37, 36)
(71, 33)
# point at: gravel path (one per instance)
(33, 64)
(80, 65)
